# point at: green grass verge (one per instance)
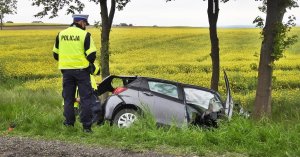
(38, 114)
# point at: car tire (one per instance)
(125, 117)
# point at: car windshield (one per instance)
(198, 97)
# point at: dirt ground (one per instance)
(25, 147)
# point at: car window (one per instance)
(134, 83)
(198, 97)
(163, 88)
(117, 82)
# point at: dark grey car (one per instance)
(169, 102)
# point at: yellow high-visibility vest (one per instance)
(71, 49)
(93, 82)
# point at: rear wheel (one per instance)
(125, 118)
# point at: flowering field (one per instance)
(180, 54)
(29, 74)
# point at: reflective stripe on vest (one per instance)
(97, 69)
(93, 82)
(71, 49)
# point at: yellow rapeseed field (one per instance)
(179, 54)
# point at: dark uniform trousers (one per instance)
(71, 79)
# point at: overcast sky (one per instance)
(158, 12)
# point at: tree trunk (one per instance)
(213, 13)
(1, 17)
(104, 55)
(105, 32)
(262, 106)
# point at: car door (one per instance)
(163, 101)
(229, 100)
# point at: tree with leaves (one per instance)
(275, 41)
(73, 6)
(7, 7)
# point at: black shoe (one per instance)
(68, 124)
(100, 123)
(87, 130)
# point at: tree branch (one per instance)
(112, 12)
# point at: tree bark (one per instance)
(105, 33)
(104, 55)
(1, 17)
(213, 13)
(275, 13)
(112, 13)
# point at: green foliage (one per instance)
(54, 6)
(7, 7)
(259, 22)
(73, 6)
(282, 40)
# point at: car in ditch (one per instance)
(170, 103)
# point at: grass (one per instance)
(30, 90)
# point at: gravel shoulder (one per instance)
(26, 147)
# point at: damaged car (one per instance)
(168, 101)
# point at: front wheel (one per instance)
(125, 118)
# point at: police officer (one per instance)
(75, 51)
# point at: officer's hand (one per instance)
(77, 100)
(91, 68)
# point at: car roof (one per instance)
(163, 80)
(106, 85)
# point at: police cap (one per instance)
(79, 17)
